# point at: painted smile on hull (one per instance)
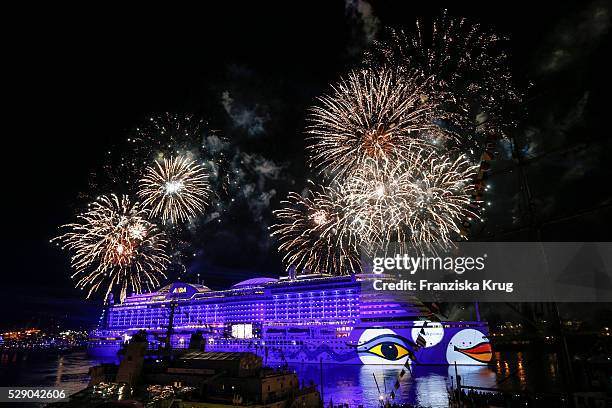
(481, 352)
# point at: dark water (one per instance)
(68, 371)
(352, 384)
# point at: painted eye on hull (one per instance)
(389, 350)
(384, 346)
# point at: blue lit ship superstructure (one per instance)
(307, 319)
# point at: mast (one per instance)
(536, 227)
(170, 330)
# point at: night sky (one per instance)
(77, 87)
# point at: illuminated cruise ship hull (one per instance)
(306, 320)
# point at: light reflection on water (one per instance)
(429, 385)
(352, 384)
(356, 384)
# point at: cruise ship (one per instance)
(299, 319)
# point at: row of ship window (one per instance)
(277, 311)
(247, 308)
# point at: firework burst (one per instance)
(313, 234)
(165, 135)
(417, 203)
(378, 195)
(371, 114)
(441, 197)
(175, 189)
(421, 200)
(113, 245)
(471, 66)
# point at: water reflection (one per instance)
(364, 385)
(350, 384)
(68, 371)
(428, 386)
(521, 369)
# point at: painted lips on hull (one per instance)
(481, 352)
